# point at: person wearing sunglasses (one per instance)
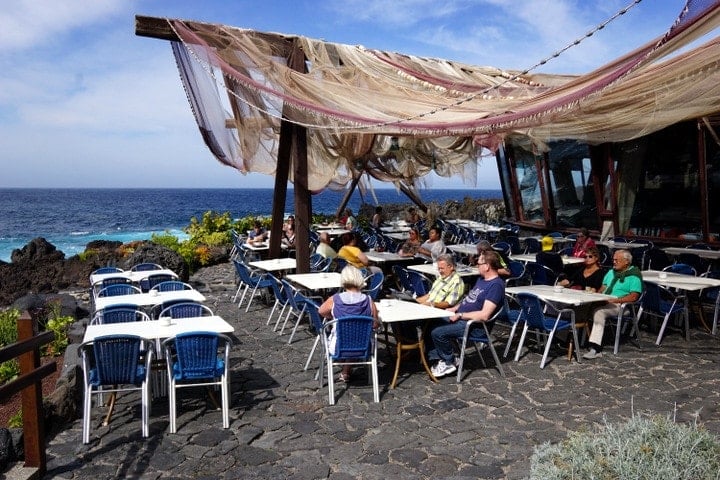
(590, 276)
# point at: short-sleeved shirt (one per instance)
(436, 248)
(448, 289)
(624, 286)
(351, 255)
(325, 250)
(492, 290)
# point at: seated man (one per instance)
(447, 288)
(446, 291)
(258, 234)
(624, 281)
(324, 247)
(481, 303)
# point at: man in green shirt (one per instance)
(624, 282)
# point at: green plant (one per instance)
(16, 420)
(58, 324)
(8, 335)
(642, 448)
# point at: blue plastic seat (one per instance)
(106, 270)
(147, 283)
(475, 335)
(711, 297)
(119, 314)
(172, 286)
(660, 302)
(144, 267)
(118, 289)
(355, 344)
(116, 363)
(543, 319)
(297, 308)
(681, 268)
(186, 310)
(198, 359)
(250, 280)
(375, 284)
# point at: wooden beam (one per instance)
(154, 27)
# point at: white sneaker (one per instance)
(592, 354)
(441, 369)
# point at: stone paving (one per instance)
(485, 427)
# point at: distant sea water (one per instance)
(70, 218)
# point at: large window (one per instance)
(571, 185)
(712, 158)
(658, 184)
(529, 184)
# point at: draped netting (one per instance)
(398, 117)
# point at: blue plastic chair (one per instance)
(172, 286)
(186, 310)
(198, 359)
(250, 281)
(475, 335)
(375, 284)
(543, 319)
(681, 268)
(532, 245)
(146, 284)
(119, 314)
(711, 297)
(144, 267)
(280, 300)
(418, 282)
(660, 302)
(311, 307)
(355, 344)
(118, 289)
(116, 363)
(297, 308)
(105, 270)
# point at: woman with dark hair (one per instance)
(590, 276)
(582, 243)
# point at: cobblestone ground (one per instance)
(485, 427)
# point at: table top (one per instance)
(430, 269)
(530, 257)
(399, 235)
(567, 296)
(479, 226)
(624, 245)
(464, 248)
(274, 265)
(392, 310)
(381, 257)
(679, 281)
(327, 226)
(154, 329)
(132, 276)
(316, 281)
(709, 254)
(257, 247)
(149, 299)
(390, 229)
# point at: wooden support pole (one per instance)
(347, 196)
(32, 407)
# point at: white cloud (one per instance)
(26, 23)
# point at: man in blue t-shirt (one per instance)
(481, 303)
(624, 282)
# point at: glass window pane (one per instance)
(528, 182)
(571, 185)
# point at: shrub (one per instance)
(643, 448)
(8, 335)
(58, 324)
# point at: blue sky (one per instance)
(84, 102)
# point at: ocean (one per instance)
(70, 218)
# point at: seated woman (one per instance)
(351, 301)
(411, 245)
(288, 240)
(583, 243)
(588, 277)
(351, 253)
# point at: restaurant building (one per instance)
(664, 186)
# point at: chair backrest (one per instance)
(514, 242)
(152, 280)
(119, 289)
(700, 246)
(555, 235)
(197, 356)
(311, 307)
(143, 267)
(105, 270)
(339, 264)
(278, 289)
(656, 259)
(419, 283)
(119, 314)
(682, 268)
(699, 264)
(291, 295)
(171, 286)
(186, 310)
(106, 282)
(567, 251)
(117, 360)
(540, 274)
(650, 300)
(531, 310)
(375, 285)
(502, 247)
(353, 337)
(517, 271)
(532, 245)
(552, 260)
